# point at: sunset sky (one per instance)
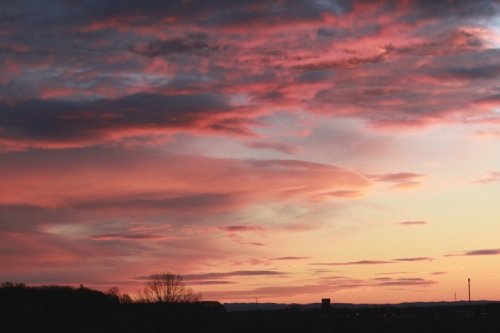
(283, 151)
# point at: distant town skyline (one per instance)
(285, 151)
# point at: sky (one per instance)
(270, 151)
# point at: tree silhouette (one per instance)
(121, 297)
(167, 288)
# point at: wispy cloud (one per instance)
(240, 228)
(349, 263)
(481, 252)
(400, 180)
(290, 258)
(395, 273)
(373, 262)
(280, 147)
(415, 259)
(107, 237)
(208, 282)
(210, 276)
(323, 287)
(413, 223)
(492, 177)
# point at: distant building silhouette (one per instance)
(325, 304)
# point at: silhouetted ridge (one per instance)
(66, 309)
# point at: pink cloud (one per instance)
(401, 180)
(493, 177)
(109, 204)
(344, 194)
(166, 182)
(401, 177)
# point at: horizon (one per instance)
(285, 152)
(255, 303)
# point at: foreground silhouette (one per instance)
(167, 287)
(67, 309)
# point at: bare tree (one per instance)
(167, 288)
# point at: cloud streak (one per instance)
(374, 262)
(481, 252)
(360, 262)
(493, 177)
(413, 223)
(208, 276)
(59, 123)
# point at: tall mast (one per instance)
(469, 289)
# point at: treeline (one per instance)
(52, 308)
(18, 298)
(67, 309)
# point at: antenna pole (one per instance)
(469, 289)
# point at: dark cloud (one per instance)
(472, 73)
(192, 43)
(460, 9)
(361, 262)
(78, 65)
(495, 98)
(484, 65)
(226, 12)
(311, 76)
(147, 201)
(483, 252)
(254, 243)
(240, 228)
(449, 42)
(415, 259)
(412, 223)
(188, 208)
(28, 218)
(290, 258)
(208, 282)
(374, 262)
(340, 33)
(112, 237)
(348, 63)
(58, 121)
(405, 282)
